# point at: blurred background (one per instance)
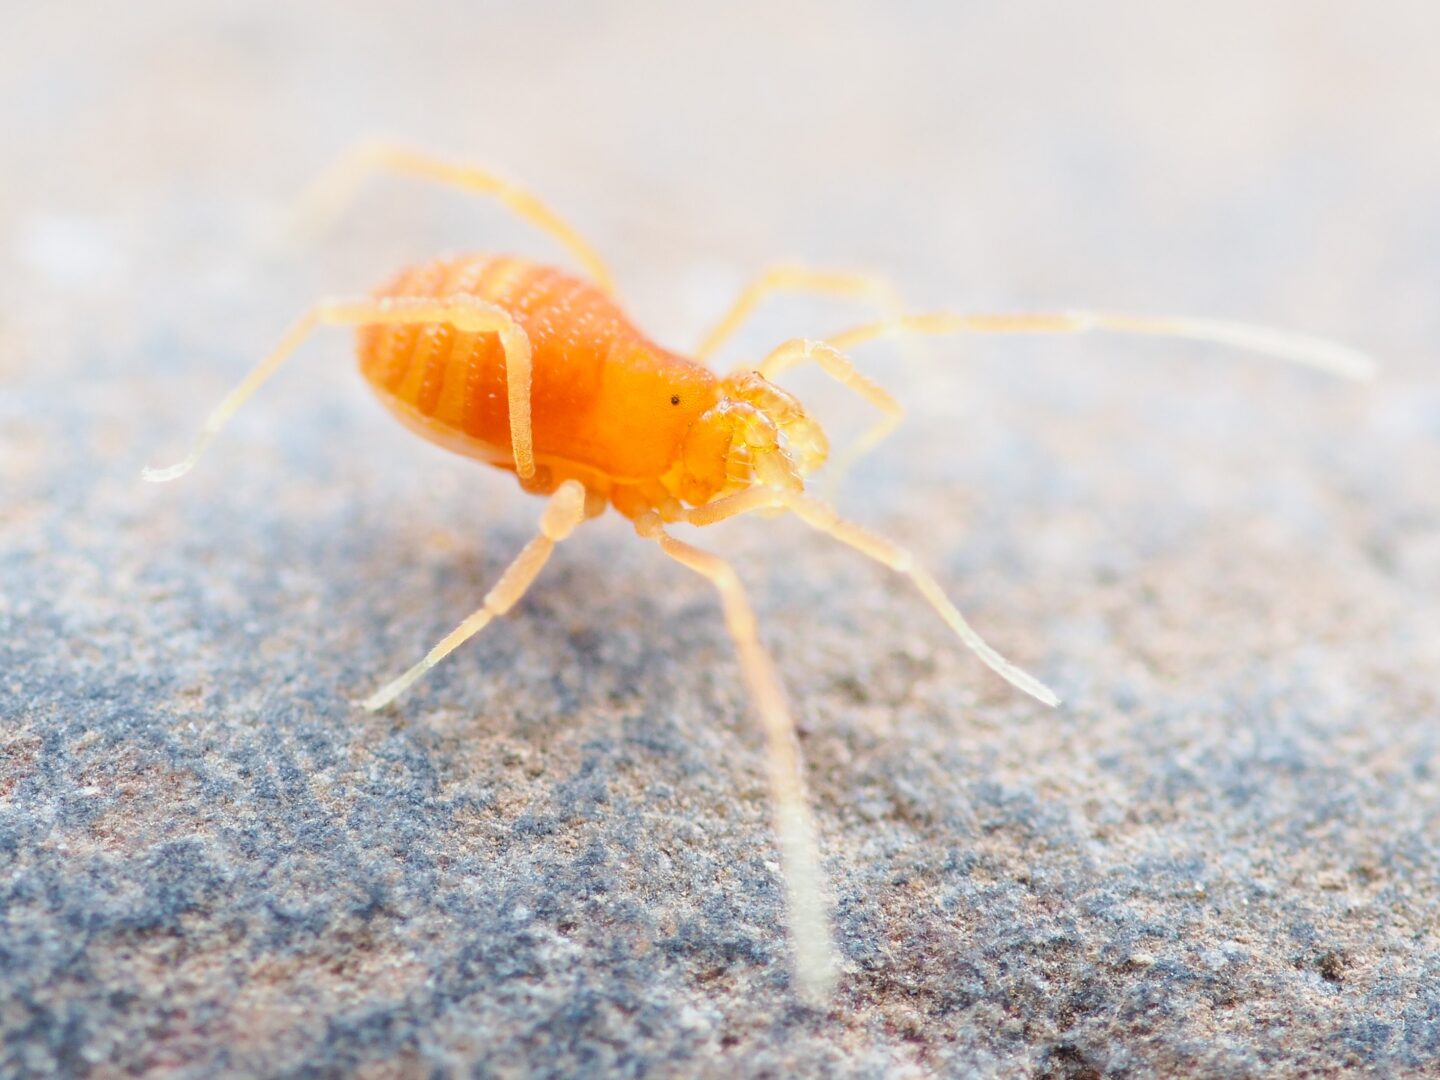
(1219, 859)
(1118, 154)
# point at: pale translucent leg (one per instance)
(820, 516)
(466, 313)
(815, 959)
(335, 190)
(839, 367)
(1296, 348)
(564, 511)
(801, 280)
(746, 501)
(1313, 352)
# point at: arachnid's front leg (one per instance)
(815, 960)
(563, 513)
(822, 517)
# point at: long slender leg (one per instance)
(466, 313)
(564, 511)
(747, 501)
(815, 961)
(821, 516)
(839, 367)
(1296, 348)
(802, 280)
(334, 191)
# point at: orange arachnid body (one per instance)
(609, 407)
(538, 372)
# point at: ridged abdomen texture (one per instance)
(458, 379)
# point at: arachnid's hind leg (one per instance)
(335, 190)
(563, 513)
(815, 961)
(466, 313)
(799, 279)
(840, 368)
(819, 515)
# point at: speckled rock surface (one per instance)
(1218, 859)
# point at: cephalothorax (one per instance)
(539, 372)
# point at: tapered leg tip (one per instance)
(165, 475)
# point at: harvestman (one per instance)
(538, 372)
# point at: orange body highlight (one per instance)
(610, 407)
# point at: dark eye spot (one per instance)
(674, 399)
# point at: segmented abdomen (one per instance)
(457, 380)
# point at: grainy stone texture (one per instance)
(1218, 859)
